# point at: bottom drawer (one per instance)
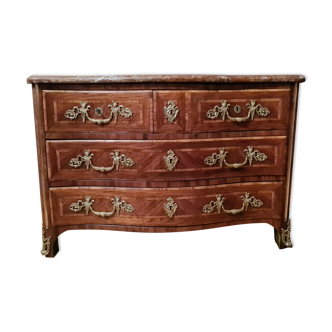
(166, 206)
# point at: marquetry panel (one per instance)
(160, 101)
(149, 204)
(277, 101)
(148, 157)
(56, 103)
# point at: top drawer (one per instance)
(175, 111)
(97, 111)
(223, 110)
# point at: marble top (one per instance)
(166, 79)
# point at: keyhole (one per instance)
(171, 160)
(170, 208)
(237, 109)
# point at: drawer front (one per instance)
(224, 110)
(171, 160)
(97, 111)
(171, 111)
(166, 207)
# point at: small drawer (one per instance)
(222, 110)
(167, 206)
(165, 160)
(97, 111)
(170, 111)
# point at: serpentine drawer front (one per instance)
(164, 153)
(159, 160)
(147, 206)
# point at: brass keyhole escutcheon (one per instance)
(237, 109)
(170, 160)
(171, 111)
(170, 207)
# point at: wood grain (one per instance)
(166, 184)
(160, 100)
(290, 156)
(149, 159)
(193, 106)
(277, 101)
(166, 229)
(162, 136)
(166, 86)
(148, 204)
(41, 153)
(56, 103)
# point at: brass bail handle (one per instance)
(222, 111)
(118, 206)
(221, 158)
(87, 160)
(218, 204)
(116, 110)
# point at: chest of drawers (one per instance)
(164, 153)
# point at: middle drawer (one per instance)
(161, 160)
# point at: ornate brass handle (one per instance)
(218, 204)
(84, 112)
(221, 157)
(118, 205)
(223, 111)
(87, 159)
(171, 111)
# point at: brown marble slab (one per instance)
(165, 78)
